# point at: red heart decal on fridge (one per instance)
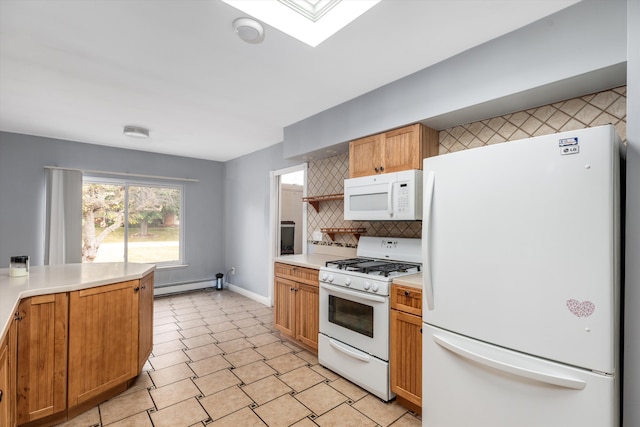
(581, 309)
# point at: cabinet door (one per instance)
(402, 149)
(307, 314)
(145, 313)
(6, 391)
(103, 339)
(41, 357)
(406, 356)
(284, 306)
(365, 156)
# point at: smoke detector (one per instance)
(249, 30)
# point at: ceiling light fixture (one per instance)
(249, 30)
(136, 131)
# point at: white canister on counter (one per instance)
(19, 266)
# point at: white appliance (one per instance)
(390, 196)
(354, 310)
(521, 310)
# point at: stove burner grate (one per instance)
(373, 266)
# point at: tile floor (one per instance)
(218, 361)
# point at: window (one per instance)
(131, 221)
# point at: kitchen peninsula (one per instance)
(71, 336)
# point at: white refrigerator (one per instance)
(521, 293)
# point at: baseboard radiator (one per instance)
(182, 287)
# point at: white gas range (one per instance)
(354, 310)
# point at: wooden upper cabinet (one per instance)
(392, 151)
(103, 339)
(365, 155)
(41, 357)
(145, 322)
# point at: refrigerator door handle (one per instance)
(426, 240)
(537, 375)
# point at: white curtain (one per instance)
(63, 241)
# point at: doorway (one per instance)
(288, 224)
(291, 212)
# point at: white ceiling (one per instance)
(81, 70)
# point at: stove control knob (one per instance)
(347, 281)
(367, 285)
(374, 287)
(324, 277)
(330, 278)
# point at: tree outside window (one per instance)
(131, 222)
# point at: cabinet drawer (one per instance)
(298, 274)
(407, 299)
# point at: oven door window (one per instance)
(351, 315)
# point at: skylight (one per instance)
(310, 21)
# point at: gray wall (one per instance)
(631, 395)
(22, 195)
(246, 218)
(579, 50)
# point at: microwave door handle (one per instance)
(390, 199)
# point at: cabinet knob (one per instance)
(0, 395)
(375, 169)
(136, 289)
(407, 293)
(17, 316)
(381, 168)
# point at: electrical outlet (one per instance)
(233, 270)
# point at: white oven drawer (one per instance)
(361, 368)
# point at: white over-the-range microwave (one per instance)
(393, 196)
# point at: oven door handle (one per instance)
(354, 294)
(349, 352)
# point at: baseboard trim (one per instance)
(249, 294)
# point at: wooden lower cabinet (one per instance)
(405, 359)
(296, 300)
(41, 381)
(7, 377)
(307, 315)
(5, 419)
(103, 339)
(67, 352)
(284, 306)
(145, 322)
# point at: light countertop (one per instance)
(316, 260)
(412, 280)
(53, 279)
